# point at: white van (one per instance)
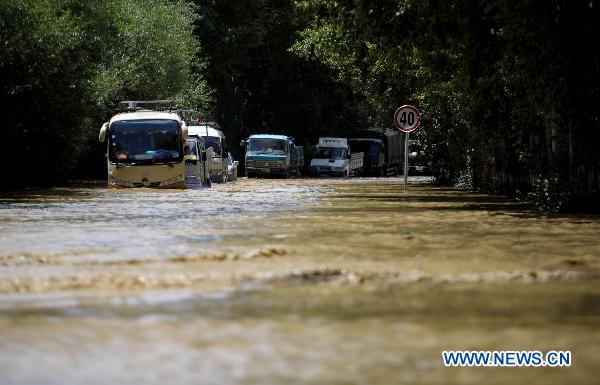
(333, 157)
(195, 156)
(215, 139)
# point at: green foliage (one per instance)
(465, 179)
(549, 195)
(152, 53)
(508, 87)
(260, 86)
(66, 63)
(41, 89)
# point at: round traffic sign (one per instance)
(407, 118)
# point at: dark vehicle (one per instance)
(384, 151)
(417, 161)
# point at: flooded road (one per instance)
(290, 282)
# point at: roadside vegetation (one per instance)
(509, 89)
(64, 65)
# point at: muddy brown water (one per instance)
(290, 282)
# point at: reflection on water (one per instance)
(290, 281)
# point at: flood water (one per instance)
(290, 282)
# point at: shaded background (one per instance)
(509, 89)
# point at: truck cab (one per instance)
(374, 154)
(383, 151)
(274, 155)
(333, 157)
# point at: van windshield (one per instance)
(330, 153)
(275, 146)
(190, 148)
(145, 141)
(214, 142)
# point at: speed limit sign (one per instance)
(407, 118)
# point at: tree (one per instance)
(496, 81)
(66, 63)
(260, 86)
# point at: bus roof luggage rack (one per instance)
(191, 117)
(196, 118)
(137, 105)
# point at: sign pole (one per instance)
(407, 118)
(406, 161)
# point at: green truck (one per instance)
(272, 155)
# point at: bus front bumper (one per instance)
(177, 182)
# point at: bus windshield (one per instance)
(275, 146)
(145, 141)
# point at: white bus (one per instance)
(145, 148)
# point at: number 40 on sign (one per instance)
(407, 119)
